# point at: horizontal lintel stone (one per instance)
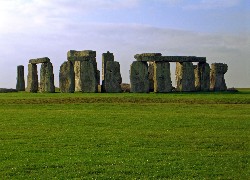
(84, 53)
(171, 58)
(39, 60)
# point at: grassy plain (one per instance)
(125, 136)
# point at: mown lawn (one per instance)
(125, 136)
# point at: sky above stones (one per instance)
(216, 29)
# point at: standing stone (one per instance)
(202, 77)
(32, 79)
(139, 81)
(67, 77)
(185, 79)
(162, 77)
(105, 58)
(151, 76)
(85, 68)
(78, 81)
(98, 77)
(217, 80)
(113, 79)
(47, 78)
(20, 85)
(88, 76)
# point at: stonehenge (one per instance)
(150, 72)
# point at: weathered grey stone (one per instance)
(39, 60)
(162, 77)
(157, 57)
(20, 85)
(67, 77)
(151, 76)
(84, 53)
(47, 78)
(32, 79)
(113, 79)
(202, 77)
(185, 79)
(217, 81)
(125, 87)
(106, 57)
(98, 77)
(78, 81)
(84, 70)
(139, 77)
(88, 76)
(6, 90)
(81, 58)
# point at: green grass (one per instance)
(125, 136)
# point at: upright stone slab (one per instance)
(151, 76)
(105, 58)
(162, 77)
(20, 85)
(47, 78)
(202, 77)
(113, 79)
(85, 67)
(67, 77)
(185, 78)
(139, 81)
(88, 77)
(78, 81)
(32, 79)
(217, 80)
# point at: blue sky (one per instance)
(217, 29)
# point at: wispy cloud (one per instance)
(212, 4)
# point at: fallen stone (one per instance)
(125, 87)
(6, 90)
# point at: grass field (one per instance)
(125, 136)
